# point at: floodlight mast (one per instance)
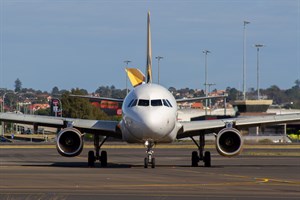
(206, 84)
(158, 59)
(257, 46)
(127, 61)
(244, 60)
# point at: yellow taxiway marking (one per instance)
(154, 185)
(236, 180)
(248, 179)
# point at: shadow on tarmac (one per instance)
(127, 166)
(109, 165)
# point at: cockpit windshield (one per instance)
(156, 102)
(153, 102)
(143, 102)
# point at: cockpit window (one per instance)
(129, 105)
(156, 102)
(169, 103)
(165, 103)
(134, 103)
(143, 102)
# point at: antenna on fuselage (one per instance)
(149, 52)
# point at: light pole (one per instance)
(127, 61)
(3, 104)
(257, 47)
(244, 60)
(158, 59)
(3, 99)
(2, 110)
(209, 85)
(206, 84)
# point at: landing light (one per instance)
(146, 143)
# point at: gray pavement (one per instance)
(40, 173)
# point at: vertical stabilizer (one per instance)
(149, 52)
(135, 76)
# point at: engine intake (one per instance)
(229, 142)
(69, 142)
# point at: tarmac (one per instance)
(39, 172)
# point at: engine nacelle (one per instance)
(229, 142)
(69, 142)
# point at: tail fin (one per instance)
(149, 52)
(135, 76)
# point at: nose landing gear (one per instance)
(149, 160)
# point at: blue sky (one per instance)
(69, 43)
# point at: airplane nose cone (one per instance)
(156, 126)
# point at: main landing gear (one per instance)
(149, 160)
(206, 158)
(94, 156)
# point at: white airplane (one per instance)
(149, 117)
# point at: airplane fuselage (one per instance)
(149, 114)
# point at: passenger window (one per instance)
(156, 102)
(143, 102)
(165, 103)
(169, 103)
(129, 105)
(134, 103)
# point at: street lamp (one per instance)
(244, 60)
(3, 104)
(158, 59)
(206, 84)
(257, 47)
(127, 61)
(209, 85)
(3, 99)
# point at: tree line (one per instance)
(289, 98)
(81, 108)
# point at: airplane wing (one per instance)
(98, 98)
(200, 98)
(101, 127)
(195, 128)
(139, 81)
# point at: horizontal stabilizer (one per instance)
(135, 76)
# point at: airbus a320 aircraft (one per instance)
(149, 117)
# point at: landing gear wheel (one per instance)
(103, 159)
(204, 156)
(149, 159)
(146, 163)
(152, 162)
(91, 159)
(207, 159)
(195, 159)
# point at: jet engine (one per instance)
(69, 142)
(229, 142)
